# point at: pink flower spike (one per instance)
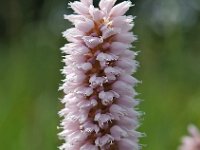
(99, 103)
(191, 142)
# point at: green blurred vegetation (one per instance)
(30, 60)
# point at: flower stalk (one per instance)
(99, 98)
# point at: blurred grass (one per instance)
(170, 73)
(30, 76)
(29, 81)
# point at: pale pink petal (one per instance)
(90, 127)
(95, 13)
(128, 123)
(127, 101)
(96, 81)
(106, 97)
(74, 18)
(101, 141)
(73, 35)
(84, 26)
(87, 91)
(106, 57)
(128, 79)
(92, 42)
(87, 2)
(84, 66)
(118, 47)
(108, 32)
(126, 144)
(76, 49)
(106, 5)
(79, 8)
(125, 38)
(120, 9)
(103, 119)
(117, 111)
(117, 132)
(88, 146)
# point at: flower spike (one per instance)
(99, 112)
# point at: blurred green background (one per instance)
(30, 63)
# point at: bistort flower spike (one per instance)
(99, 112)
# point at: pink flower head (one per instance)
(99, 96)
(191, 142)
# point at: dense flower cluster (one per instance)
(191, 142)
(99, 103)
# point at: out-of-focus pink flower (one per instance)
(99, 98)
(191, 142)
